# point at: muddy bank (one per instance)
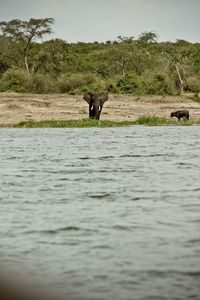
(23, 107)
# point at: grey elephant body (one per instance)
(180, 114)
(96, 102)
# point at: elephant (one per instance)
(180, 114)
(96, 102)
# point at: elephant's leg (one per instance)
(91, 110)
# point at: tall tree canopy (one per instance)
(25, 32)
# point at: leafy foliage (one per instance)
(127, 65)
(24, 32)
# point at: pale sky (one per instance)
(101, 20)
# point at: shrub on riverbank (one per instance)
(85, 123)
(147, 84)
(138, 66)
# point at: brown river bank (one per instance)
(23, 107)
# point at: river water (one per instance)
(109, 213)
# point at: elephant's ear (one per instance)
(104, 97)
(87, 97)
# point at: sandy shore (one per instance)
(21, 107)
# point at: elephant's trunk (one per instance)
(97, 111)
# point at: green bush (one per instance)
(4, 86)
(149, 83)
(42, 84)
(194, 85)
(95, 87)
(158, 84)
(15, 80)
(19, 81)
(111, 85)
(130, 83)
(70, 83)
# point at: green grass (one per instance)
(84, 123)
(154, 121)
(195, 98)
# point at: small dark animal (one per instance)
(180, 114)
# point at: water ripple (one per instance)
(103, 213)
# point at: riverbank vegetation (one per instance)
(85, 123)
(128, 65)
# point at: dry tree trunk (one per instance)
(180, 83)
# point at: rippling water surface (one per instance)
(103, 213)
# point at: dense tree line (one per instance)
(130, 65)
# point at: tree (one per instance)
(175, 66)
(125, 39)
(25, 32)
(116, 59)
(11, 53)
(148, 38)
(48, 57)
